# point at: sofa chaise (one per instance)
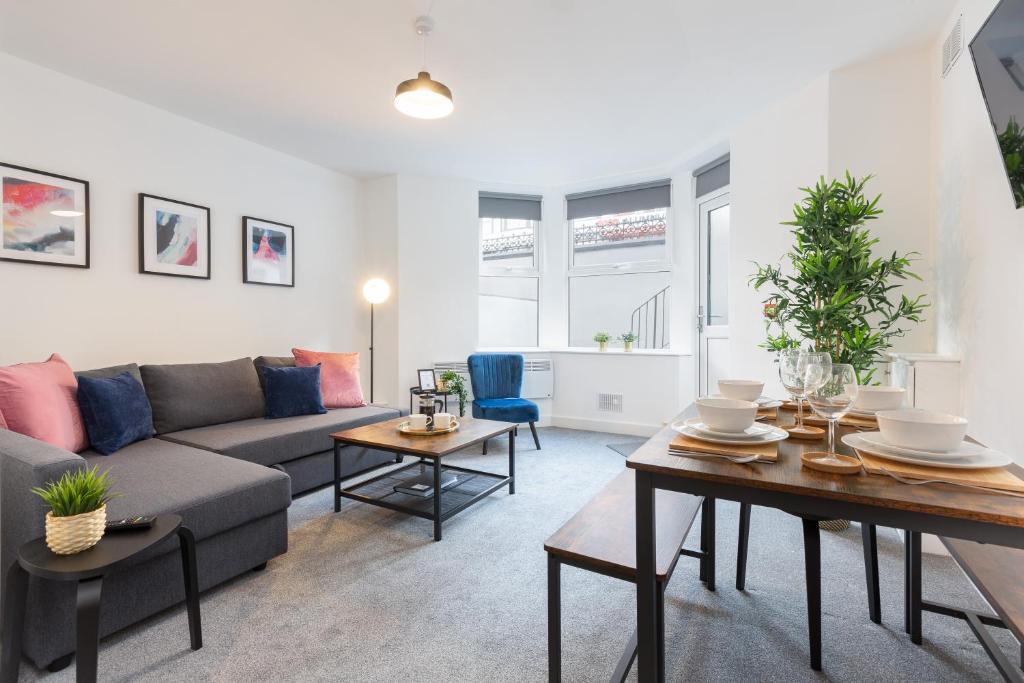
(215, 460)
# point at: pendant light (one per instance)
(422, 97)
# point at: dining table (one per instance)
(872, 499)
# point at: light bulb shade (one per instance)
(376, 291)
(424, 98)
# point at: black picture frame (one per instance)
(433, 379)
(142, 237)
(86, 216)
(290, 229)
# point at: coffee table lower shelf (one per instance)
(471, 487)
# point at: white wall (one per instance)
(379, 218)
(110, 313)
(980, 238)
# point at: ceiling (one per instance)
(546, 92)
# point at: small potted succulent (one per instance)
(455, 383)
(627, 339)
(78, 510)
(602, 339)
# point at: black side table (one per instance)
(88, 568)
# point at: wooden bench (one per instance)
(601, 538)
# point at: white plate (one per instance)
(755, 430)
(984, 460)
(965, 450)
(774, 435)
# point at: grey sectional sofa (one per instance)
(216, 461)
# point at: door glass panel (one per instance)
(718, 266)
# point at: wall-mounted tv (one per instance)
(998, 52)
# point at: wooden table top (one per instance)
(787, 476)
(386, 437)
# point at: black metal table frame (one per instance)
(436, 516)
(810, 508)
(87, 613)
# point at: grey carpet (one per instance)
(365, 595)
(626, 448)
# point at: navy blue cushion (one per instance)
(115, 410)
(292, 391)
(506, 409)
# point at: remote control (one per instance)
(131, 523)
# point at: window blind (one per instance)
(641, 197)
(500, 205)
(713, 176)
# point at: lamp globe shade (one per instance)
(376, 291)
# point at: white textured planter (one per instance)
(627, 346)
(70, 535)
(602, 346)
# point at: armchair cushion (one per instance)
(506, 409)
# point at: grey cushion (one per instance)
(112, 371)
(211, 493)
(272, 362)
(200, 394)
(269, 442)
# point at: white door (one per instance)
(713, 291)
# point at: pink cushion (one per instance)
(40, 400)
(339, 377)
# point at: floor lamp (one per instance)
(376, 291)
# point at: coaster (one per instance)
(833, 463)
(806, 433)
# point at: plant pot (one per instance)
(627, 346)
(441, 385)
(70, 535)
(602, 346)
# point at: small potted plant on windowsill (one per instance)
(627, 339)
(78, 510)
(454, 383)
(602, 339)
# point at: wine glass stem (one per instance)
(831, 436)
(800, 412)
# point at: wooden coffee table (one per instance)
(471, 487)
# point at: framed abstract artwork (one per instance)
(174, 237)
(268, 252)
(45, 218)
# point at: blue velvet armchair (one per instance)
(497, 380)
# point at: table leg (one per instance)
(554, 619)
(648, 657)
(87, 629)
(191, 574)
(512, 462)
(437, 499)
(707, 516)
(337, 477)
(15, 595)
(741, 550)
(870, 542)
(812, 568)
(912, 550)
(661, 627)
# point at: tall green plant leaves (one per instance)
(837, 296)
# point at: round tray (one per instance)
(404, 428)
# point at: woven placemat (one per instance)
(766, 452)
(991, 478)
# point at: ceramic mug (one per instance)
(419, 421)
(443, 420)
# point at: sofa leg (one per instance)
(485, 447)
(260, 567)
(533, 430)
(60, 663)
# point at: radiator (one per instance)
(538, 376)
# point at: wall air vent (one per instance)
(611, 403)
(953, 45)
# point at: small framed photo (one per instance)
(268, 256)
(174, 237)
(45, 218)
(428, 382)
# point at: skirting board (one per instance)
(608, 426)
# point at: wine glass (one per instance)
(831, 392)
(793, 370)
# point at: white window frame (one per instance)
(490, 269)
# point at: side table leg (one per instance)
(87, 635)
(337, 477)
(15, 594)
(512, 462)
(437, 499)
(188, 567)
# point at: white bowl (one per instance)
(880, 398)
(922, 429)
(741, 389)
(726, 414)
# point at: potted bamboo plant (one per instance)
(78, 510)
